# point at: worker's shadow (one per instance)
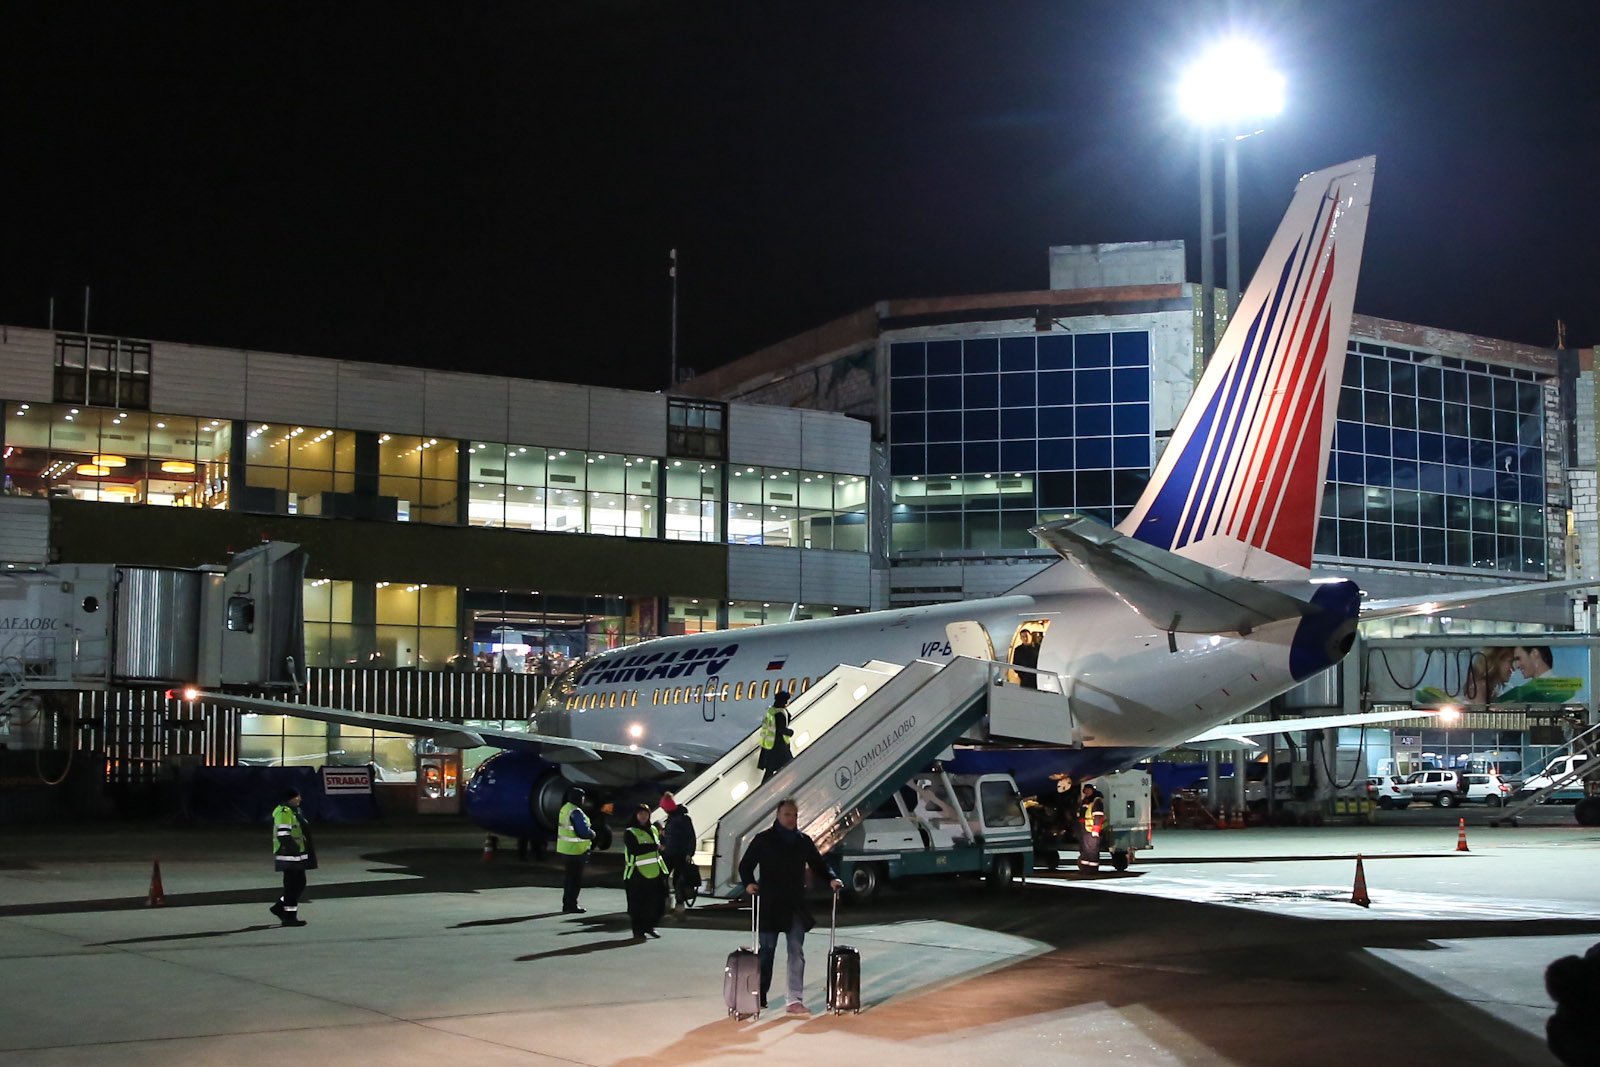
(183, 937)
(509, 920)
(583, 949)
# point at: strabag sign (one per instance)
(346, 781)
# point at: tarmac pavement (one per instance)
(1234, 947)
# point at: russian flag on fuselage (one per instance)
(1240, 484)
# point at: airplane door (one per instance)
(708, 703)
(969, 638)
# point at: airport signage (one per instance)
(346, 780)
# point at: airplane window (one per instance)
(655, 696)
(699, 694)
(805, 683)
(616, 698)
(724, 694)
(766, 688)
(633, 699)
(738, 691)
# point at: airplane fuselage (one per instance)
(1127, 683)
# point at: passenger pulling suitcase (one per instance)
(844, 971)
(741, 981)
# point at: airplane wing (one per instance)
(1177, 594)
(1242, 731)
(1432, 605)
(454, 735)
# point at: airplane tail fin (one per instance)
(1239, 486)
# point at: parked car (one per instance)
(1385, 791)
(1490, 789)
(1443, 788)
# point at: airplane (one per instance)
(1198, 607)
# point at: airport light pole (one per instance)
(1227, 93)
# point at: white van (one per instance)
(1557, 772)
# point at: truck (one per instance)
(939, 824)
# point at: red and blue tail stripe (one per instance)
(1240, 483)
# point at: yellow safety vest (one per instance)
(647, 863)
(769, 729)
(1093, 814)
(568, 843)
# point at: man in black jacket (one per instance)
(782, 853)
(677, 849)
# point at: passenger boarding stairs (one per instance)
(859, 734)
(1588, 741)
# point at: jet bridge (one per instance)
(859, 734)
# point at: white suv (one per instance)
(1444, 788)
(1490, 789)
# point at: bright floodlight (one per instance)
(1233, 82)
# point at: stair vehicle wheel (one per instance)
(1003, 872)
(864, 881)
(1446, 800)
(1119, 859)
(1587, 811)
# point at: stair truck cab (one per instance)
(937, 824)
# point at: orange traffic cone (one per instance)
(490, 844)
(1358, 892)
(1461, 838)
(158, 895)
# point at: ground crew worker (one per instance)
(775, 734)
(677, 850)
(293, 854)
(643, 876)
(1091, 821)
(574, 836)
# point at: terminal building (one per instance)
(469, 535)
(1458, 461)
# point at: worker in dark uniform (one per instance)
(574, 836)
(677, 850)
(293, 854)
(1091, 821)
(643, 875)
(775, 734)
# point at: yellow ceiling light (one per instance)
(177, 466)
(110, 461)
(119, 489)
(89, 470)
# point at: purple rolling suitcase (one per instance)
(741, 981)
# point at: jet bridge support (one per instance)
(860, 733)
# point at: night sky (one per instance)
(495, 187)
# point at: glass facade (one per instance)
(987, 436)
(1438, 462)
(797, 509)
(296, 470)
(693, 500)
(563, 490)
(379, 624)
(107, 454)
(542, 633)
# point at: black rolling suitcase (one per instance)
(844, 971)
(741, 981)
